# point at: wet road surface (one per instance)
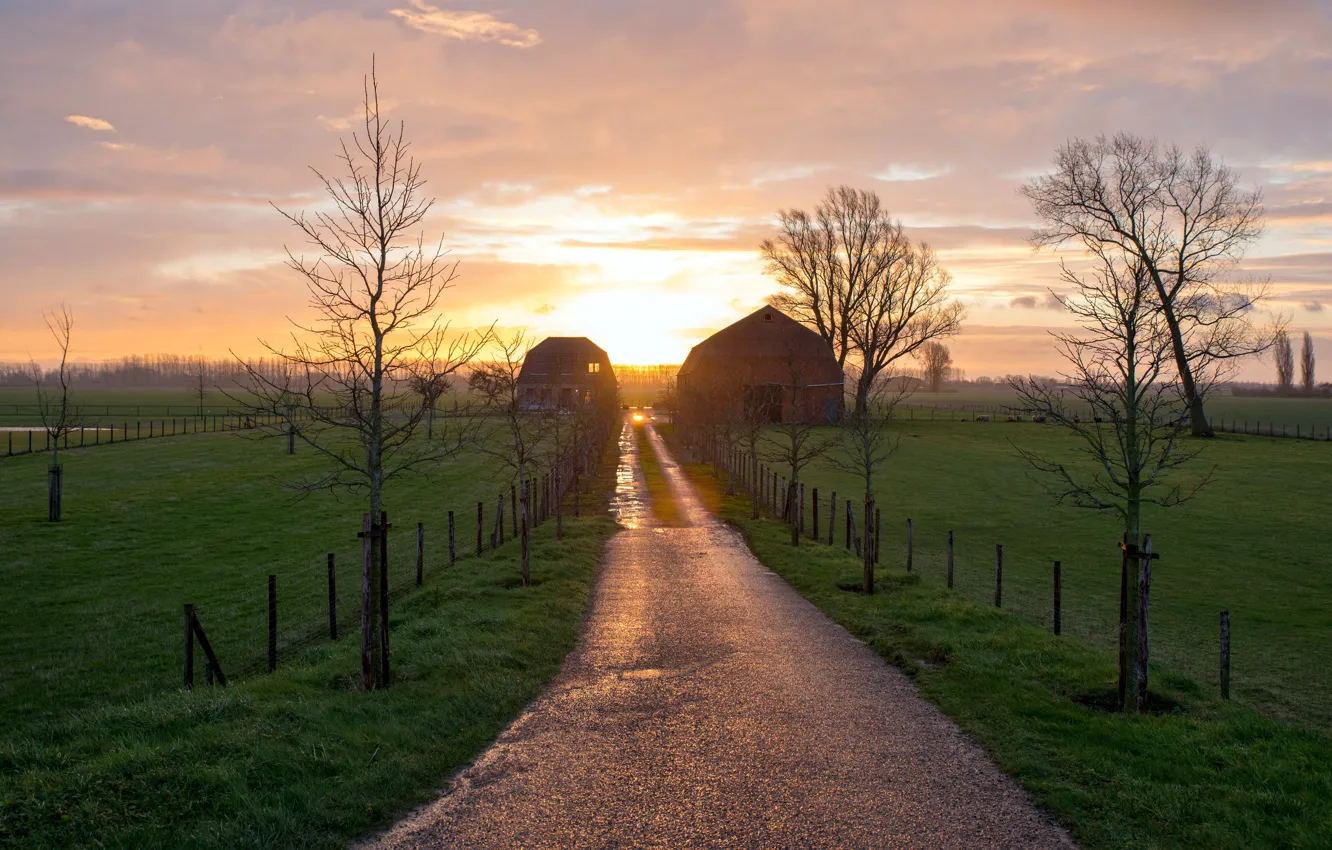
(708, 705)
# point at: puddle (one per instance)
(630, 505)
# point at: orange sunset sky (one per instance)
(608, 167)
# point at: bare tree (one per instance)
(795, 442)
(377, 291)
(443, 355)
(1307, 380)
(850, 273)
(1285, 362)
(936, 364)
(509, 433)
(59, 416)
(1182, 218)
(864, 438)
(1117, 400)
(198, 375)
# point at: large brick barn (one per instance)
(564, 372)
(767, 365)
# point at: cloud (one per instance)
(1314, 307)
(465, 26)
(545, 309)
(1048, 301)
(90, 123)
(909, 173)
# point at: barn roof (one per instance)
(556, 346)
(765, 333)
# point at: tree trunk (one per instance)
(54, 492)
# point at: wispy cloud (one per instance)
(90, 123)
(909, 173)
(465, 26)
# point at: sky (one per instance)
(608, 168)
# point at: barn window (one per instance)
(767, 317)
(593, 368)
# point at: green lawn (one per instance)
(1255, 542)
(1231, 413)
(97, 599)
(1199, 772)
(100, 745)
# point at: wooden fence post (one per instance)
(814, 513)
(909, 542)
(332, 599)
(513, 506)
(878, 518)
(850, 521)
(367, 574)
(832, 519)
(272, 623)
(453, 552)
(1123, 623)
(525, 508)
(480, 523)
(998, 575)
(1058, 587)
(868, 552)
(950, 559)
(189, 646)
(420, 553)
(1144, 598)
(1226, 654)
(384, 527)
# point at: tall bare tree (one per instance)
(864, 437)
(376, 288)
(58, 414)
(1117, 399)
(1185, 220)
(1285, 362)
(509, 432)
(1307, 380)
(936, 365)
(849, 272)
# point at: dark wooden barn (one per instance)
(766, 366)
(566, 372)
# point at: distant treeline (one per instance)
(645, 377)
(168, 371)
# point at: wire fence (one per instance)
(1001, 569)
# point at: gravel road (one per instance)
(708, 705)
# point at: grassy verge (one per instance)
(664, 509)
(1198, 773)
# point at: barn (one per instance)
(565, 372)
(766, 366)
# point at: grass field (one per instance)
(101, 747)
(152, 525)
(1198, 772)
(1254, 542)
(1311, 415)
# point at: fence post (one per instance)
(998, 575)
(1226, 654)
(513, 505)
(868, 552)
(332, 599)
(453, 552)
(814, 513)
(189, 646)
(384, 599)
(420, 553)
(909, 543)
(1144, 599)
(367, 573)
(878, 517)
(1058, 614)
(850, 519)
(832, 519)
(950, 559)
(480, 523)
(524, 508)
(272, 623)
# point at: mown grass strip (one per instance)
(1200, 773)
(664, 509)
